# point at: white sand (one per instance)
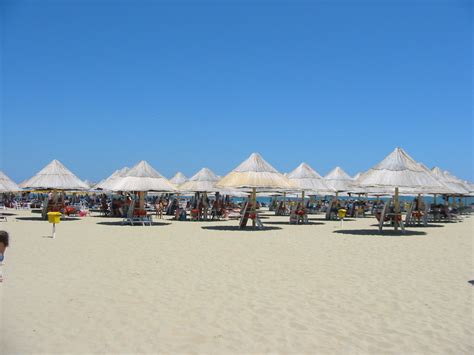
(179, 288)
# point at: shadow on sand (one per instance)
(8, 214)
(286, 223)
(376, 233)
(237, 228)
(119, 223)
(39, 219)
(471, 282)
(332, 220)
(417, 226)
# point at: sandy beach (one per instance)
(207, 287)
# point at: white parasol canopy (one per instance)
(339, 180)
(142, 177)
(307, 179)
(7, 184)
(178, 178)
(455, 185)
(256, 173)
(203, 181)
(106, 184)
(400, 170)
(55, 176)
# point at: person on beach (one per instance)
(3, 246)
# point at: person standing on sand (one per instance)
(3, 246)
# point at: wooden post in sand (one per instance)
(141, 200)
(396, 208)
(254, 206)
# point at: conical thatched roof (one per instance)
(356, 176)
(203, 181)
(307, 179)
(178, 179)
(400, 170)
(450, 177)
(457, 186)
(7, 184)
(142, 177)
(255, 172)
(107, 183)
(339, 180)
(55, 176)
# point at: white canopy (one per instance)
(307, 179)
(107, 184)
(256, 173)
(142, 177)
(178, 178)
(7, 184)
(55, 176)
(400, 170)
(339, 180)
(203, 181)
(456, 186)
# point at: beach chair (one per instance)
(409, 216)
(383, 215)
(132, 218)
(293, 215)
(246, 214)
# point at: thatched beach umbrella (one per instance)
(256, 174)
(107, 183)
(400, 173)
(339, 180)
(143, 178)
(203, 181)
(55, 176)
(7, 184)
(306, 179)
(456, 185)
(178, 178)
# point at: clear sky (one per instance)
(184, 84)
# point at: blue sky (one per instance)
(184, 84)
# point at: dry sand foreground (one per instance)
(181, 288)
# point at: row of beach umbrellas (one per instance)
(397, 170)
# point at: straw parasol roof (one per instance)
(450, 177)
(178, 178)
(256, 173)
(305, 178)
(457, 186)
(142, 177)
(339, 180)
(7, 184)
(55, 176)
(106, 184)
(203, 181)
(400, 170)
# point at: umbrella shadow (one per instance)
(376, 233)
(119, 223)
(39, 219)
(7, 214)
(418, 226)
(332, 220)
(471, 282)
(283, 223)
(238, 229)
